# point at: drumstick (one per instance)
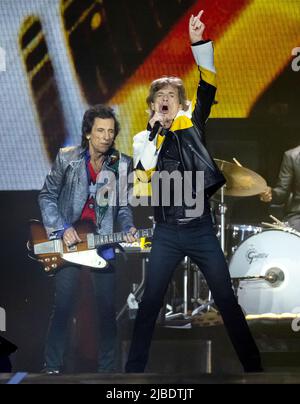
(272, 225)
(237, 162)
(277, 221)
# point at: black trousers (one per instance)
(171, 243)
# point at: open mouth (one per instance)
(165, 109)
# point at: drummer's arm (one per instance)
(280, 194)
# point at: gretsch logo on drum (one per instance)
(253, 255)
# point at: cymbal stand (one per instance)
(186, 289)
(137, 291)
(222, 209)
(187, 273)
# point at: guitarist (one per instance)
(73, 190)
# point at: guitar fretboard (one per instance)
(120, 237)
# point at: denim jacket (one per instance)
(66, 190)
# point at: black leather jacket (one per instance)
(287, 190)
(192, 152)
(187, 132)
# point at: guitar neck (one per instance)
(120, 237)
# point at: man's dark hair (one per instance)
(164, 81)
(97, 111)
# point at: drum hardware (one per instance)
(278, 225)
(248, 278)
(275, 276)
(205, 306)
(266, 268)
(236, 234)
(222, 210)
(137, 290)
(240, 181)
(186, 289)
(193, 295)
(198, 297)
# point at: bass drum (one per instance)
(236, 234)
(273, 255)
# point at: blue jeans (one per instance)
(171, 243)
(66, 282)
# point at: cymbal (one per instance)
(240, 180)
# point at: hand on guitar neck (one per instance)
(130, 236)
(71, 236)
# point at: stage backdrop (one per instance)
(60, 56)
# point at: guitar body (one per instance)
(54, 254)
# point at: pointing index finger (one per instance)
(199, 14)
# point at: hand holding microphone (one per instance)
(156, 130)
(156, 123)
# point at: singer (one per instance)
(180, 146)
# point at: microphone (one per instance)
(156, 130)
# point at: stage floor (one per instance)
(154, 379)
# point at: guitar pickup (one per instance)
(90, 239)
(49, 247)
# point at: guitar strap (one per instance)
(112, 164)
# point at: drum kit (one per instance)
(264, 261)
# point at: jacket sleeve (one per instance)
(48, 198)
(145, 154)
(125, 216)
(281, 192)
(201, 105)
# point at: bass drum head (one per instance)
(275, 254)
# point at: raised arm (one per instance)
(281, 192)
(204, 57)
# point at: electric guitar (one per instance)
(53, 254)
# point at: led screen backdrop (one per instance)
(58, 57)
